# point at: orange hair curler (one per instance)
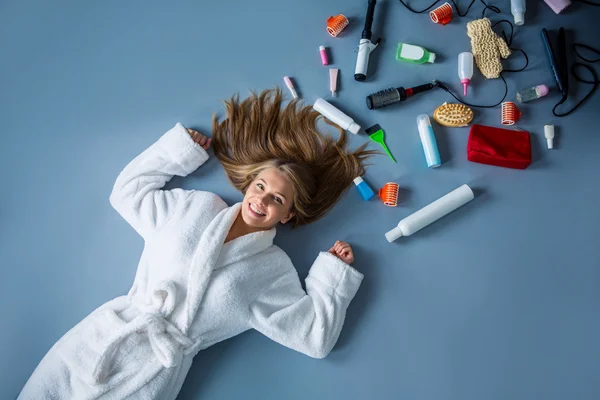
(336, 24)
(442, 14)
(389, 194)
(510, 113)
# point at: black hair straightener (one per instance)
(558, 61)
(560, 68)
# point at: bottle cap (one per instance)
(354, 128)
(431, 58)
(394, 234)
(465, 82)
(519, 18)
(358, 180)
(542, 90)
(549, 134)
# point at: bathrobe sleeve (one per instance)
(137, 193)
(309, 322)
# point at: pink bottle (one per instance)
(323, 52)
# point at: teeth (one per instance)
(255, 209)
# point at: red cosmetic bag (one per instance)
(500, 147)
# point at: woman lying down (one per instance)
(209, 271)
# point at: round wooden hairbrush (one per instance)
(453, 115)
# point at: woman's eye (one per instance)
(277, 199)
(260, 186)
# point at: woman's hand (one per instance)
(199, 138)
(343, 251)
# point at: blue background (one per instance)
(499, 300)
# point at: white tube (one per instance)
(431, 213)
(517, 8)
(333, 78)
(336, 116)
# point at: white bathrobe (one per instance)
(190, 291)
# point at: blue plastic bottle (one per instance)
(428, 140)
(363, 188)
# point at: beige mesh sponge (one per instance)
(487, 47)
(453, 115)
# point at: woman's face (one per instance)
(268, 200)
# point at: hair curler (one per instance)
(336, 24)
(431, 213)
(389, 194)
(442, 14)
(365, 47)
(385, 97)
(510, 113)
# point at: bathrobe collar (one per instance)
(211, 254)
(244, 246)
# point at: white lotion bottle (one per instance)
(517, 8)
(431, 213)
(336, 116)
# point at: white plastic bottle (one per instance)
(428, 141)
(431, 213)
(465, 69)
(517, 8)
(336, 116)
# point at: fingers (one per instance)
(199, 138)
(341, 248)
(343, 251)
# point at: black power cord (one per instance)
(487, 7)
(574, 71)
(509, 41)
(590, 3)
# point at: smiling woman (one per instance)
(141, 346)
(258, 134)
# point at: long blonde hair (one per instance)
(258, 134)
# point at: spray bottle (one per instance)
(428, 141)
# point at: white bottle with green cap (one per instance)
(414, 54)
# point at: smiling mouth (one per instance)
(254, 211)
